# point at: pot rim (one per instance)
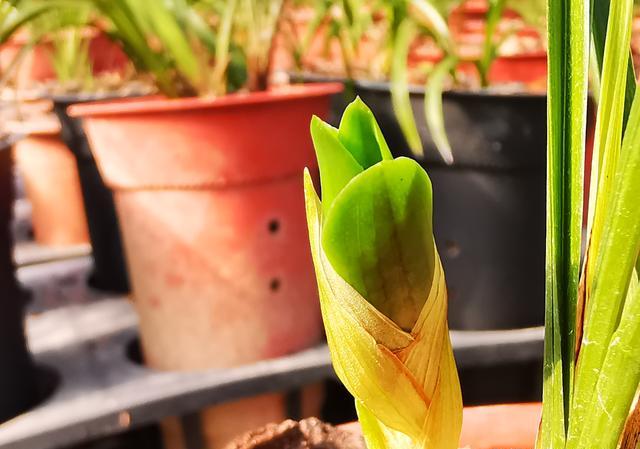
(94, 97)
(159, 104)
(378, 85)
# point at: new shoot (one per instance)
(382, 289)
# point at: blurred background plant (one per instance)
(67, 30)
(413, 43)
(15, 14)
(207, 47)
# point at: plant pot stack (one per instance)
(53, 188)
(209, 197)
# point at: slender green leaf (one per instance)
(599, 19)
(617, 376)
(611, 112)
(602, 311)
(19, 19)
(400, 97)
(223, 42)
(173, 38)
(489, 49)
(433, 107)
(427, 15)
(568, 33)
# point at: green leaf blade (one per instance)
(567, 96)
(616, 377)
(337, 165)
(379, 238)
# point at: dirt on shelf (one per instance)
(309, 433)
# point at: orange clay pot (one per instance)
(36, 66)
(53, 188)
(525, 68)
(500, 426)
(210, 201)
(508, 426)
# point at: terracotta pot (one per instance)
(210, 202)
(526, 68)
(53, 188)
(105, 56)
(35, 67)
(495, 426)
(18, 378)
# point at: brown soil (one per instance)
(309, 433)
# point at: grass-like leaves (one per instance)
(592, 344)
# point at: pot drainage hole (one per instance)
(274, 226)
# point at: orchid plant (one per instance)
(592, 341)
(199, 47)
(403, 23)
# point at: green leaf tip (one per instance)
(379, 237)
(337, 165)
(377, 215)
(345, 152)
(360, 134)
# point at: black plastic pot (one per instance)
(18, 388)
(489, 205)
(110, 270)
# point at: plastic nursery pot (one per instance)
(53, 188)
(17, 377)
(109, 268)
(494, 426)
(210, 201)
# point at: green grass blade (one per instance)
(611, 112)
(618, 377)
(602, 310)
(400, 97)
(427, 15)
(223, 44)
(19, 20)
(433, 107)
(174, 40)
(128, 30)
(599, 19)
(567, 91)
(489, 47)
